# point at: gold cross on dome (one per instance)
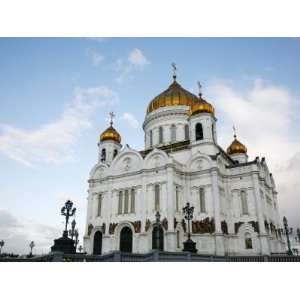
(199, 88)
(111, 116)
(174, 70)
(234, 131)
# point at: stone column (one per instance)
(263, 237)
(170, 235)
(219, 242)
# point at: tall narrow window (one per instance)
(199, 132)
(248, 241)
(173, 133)
(103, 155)
(126, 200)
(186, 132)
(161, 135)
(213, 132)
(202, 200)
(132, 204)
(177, 198)
(120, 206)
(178, 239)
(151, 138)
(99, 205)
(244, 203)
(115, 153)
(157, 197)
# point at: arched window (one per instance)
(126, 202)
(115, 153)
(120, 206)
(160, 135)
(157, 197)
(177, 198)
(178, 239)
(173, 133)
(199, 132)
(151, 138)
(244, 203)
(132, 206)
(103, 155)
(186, 132)
(99, 205)
(248, 241)
(202, 200)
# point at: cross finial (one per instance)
(199, 87)
(174, 71)
(234, 131)
(111, 116)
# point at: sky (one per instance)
(56, 93)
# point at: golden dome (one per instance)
(236, 147)
(110, 134)
(202, 107)
(174, 95)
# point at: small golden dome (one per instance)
(236, 147)
(174, 95)
(110, 134)
(202, 107)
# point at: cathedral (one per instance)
(136, 198)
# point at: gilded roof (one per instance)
(174, 95)
(110, 134)
(236, 147)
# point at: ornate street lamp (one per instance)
(189, 245)
(68, 211)
(288, 231)
(157, 224)
(1, 245)
(31, 246)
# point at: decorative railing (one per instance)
(160, 256)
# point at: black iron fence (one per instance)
(154, 256)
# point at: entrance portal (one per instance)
(126, 240)
(97, 243)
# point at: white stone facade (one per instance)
(235, 200)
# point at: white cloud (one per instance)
(136, 61)
(17, 233)
(52, 142)
(130, 119)
(96, 57)
(262, 115)
(97, 39)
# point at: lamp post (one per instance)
(31, 246)
(189, 245)
(68, 211)
(157, 224)
(1, 245)
(288, 231)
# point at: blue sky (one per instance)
(55, 95)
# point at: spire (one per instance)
(111, 117)
(174, 71)
(200, 89)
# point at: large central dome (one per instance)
(174, 95)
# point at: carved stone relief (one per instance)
(206, 225)
(112, 227)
